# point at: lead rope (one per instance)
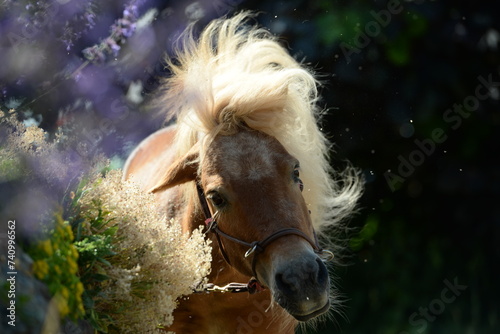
(251, 287)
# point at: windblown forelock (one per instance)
(234, 75)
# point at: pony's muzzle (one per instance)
(302, 287)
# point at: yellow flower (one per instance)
(69, 232)
(74, 252)
(80, 307)
(79, 289)
(40, 269)
(57, 269)
(62, 305)
(59, 220)
(59, 231)
(46, 247)
(65, 292)
(73, 267)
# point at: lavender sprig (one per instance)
(121, 30)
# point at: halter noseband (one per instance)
(255, 247)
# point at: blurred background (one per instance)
(411, 92)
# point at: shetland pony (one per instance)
(247, 158)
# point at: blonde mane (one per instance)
(236, 74)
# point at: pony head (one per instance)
(264, 227)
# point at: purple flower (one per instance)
(121, 30)
(111, 43)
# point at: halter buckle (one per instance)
(325, 255)
(251, 249)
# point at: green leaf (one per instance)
(99, 277)
(111, 231)
(370, 228)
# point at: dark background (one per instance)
(393, 90)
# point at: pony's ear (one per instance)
(182, 170)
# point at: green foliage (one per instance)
(354, 24)
(10, 168)
(399, 48)
(365, 234)
(341, 24)
(55, 263)
(94, 241)
(346, 27)
(73, 265)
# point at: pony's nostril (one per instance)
(286, 283)
(322, 273)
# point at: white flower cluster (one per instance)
(155, 263)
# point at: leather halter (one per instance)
(255, 247)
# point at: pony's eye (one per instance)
(296, 177)
(216, 199)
